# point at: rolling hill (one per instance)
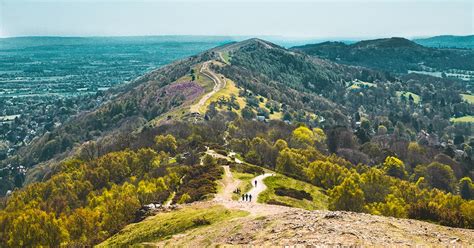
(391, 54)
(448, 41)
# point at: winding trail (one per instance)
(229, 183)
(218, 85)
(256, 190)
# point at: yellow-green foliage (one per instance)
(279, 181)
(225, 93)
(468, 98)
(467, 118)
(326, 174)
(85, 202)
(394, 167)
(406, 94)
(348, 195)
(164, 225)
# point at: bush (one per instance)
(250, 169)
(221, 152)
(293, 193)
(201, 221)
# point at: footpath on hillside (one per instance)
(229, 184)
(218, 85)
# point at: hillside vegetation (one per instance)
(386, 147)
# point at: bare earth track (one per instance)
(219, 84)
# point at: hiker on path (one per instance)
(250, 197)
(255, 183)
(246, 197)
(243, 197)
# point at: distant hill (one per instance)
(448, 41)
(392, 54)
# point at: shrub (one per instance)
(293, 193)
(201, 221)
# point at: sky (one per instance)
(286, 18)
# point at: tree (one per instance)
(326, 174)
(376, 185)
(290, 163)
(347, 196)
(394, 167)
(466, 188)
(437, 175)
(209, 160)
(34, 227)
(247, 113)
(302, 137)
(83, 227)
(381, 130)
(166, 143)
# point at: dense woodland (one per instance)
(86, 199)
(371, 148)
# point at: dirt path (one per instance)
(229, 183)
(259, 188)
(218, 85)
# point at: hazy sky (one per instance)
(310, 18)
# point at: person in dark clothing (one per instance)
(246, 197)
(250, 197)
(255, 183)
(243, 197)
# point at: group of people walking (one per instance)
(247, 197)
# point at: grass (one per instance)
(416, 98)
(319, 199)
(229, 89)
(163, 225)
(360, 84)
(468, 98)
(467, 118)
(226, 57)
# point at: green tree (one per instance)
(166, 143)
(209, 160)
(376, 185)
(466, 188)
(347, 196)
(437, 175)
(302, 137)
(290, 163)
(34, 227)
(394, 167)
(326, 174)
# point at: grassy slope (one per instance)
(164, 225)
(229, 89)
(319, 199)
(416, 98)
(468, 98)
(468, 118)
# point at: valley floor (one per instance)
(270, 225)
